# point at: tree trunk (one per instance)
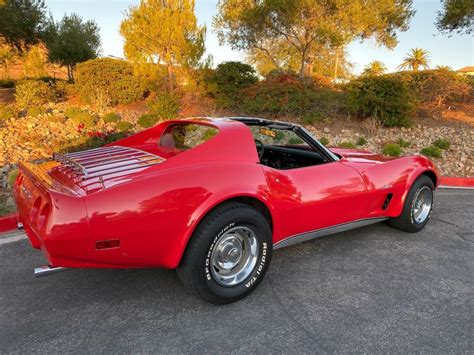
(336, 64)
(303, 64)
(70, 74)
(170, 78)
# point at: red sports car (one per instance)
(212, 198)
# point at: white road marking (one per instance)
(12, 237)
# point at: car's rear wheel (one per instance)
(417, 208)
(228, 254)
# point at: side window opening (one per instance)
(186, 136)
(283, 148)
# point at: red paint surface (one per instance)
(453, 181)
(8, 223)
(154, 212)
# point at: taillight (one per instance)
(19, 179)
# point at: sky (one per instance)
(456, 51)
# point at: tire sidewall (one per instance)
(419, 184)
(263, 234)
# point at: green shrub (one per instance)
(392, 149)
(81, 117)
(230, 77)
(347, 145)
(289, 95)
(437, 86)
(29, 93)
(147, 120)
(385, 98)
(64, 89)
(312, 117)
(36, 110)
(324, 141)
(107, 81)
(111, 117)
(295, 140)
(12, 175)
(403, 143)
(6, 83)
(7, 112)
(123, 126)
(361, 141)
(442, 143)
(432, 151)
(164, 106)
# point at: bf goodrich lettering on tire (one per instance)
(228, 254)
(211, 248)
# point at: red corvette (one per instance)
(212, 199)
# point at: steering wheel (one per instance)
(260, 148)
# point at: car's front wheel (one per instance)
(228, 254)
(417, 208)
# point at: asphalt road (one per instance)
(369, 290)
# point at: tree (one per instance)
(375, 67)
(303, 27)
(163, 32)
(7, 57)
(22, 22)
(34, 61)
(456, 16)
(415, 59)
(72, 41)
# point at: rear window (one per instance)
(186, 136)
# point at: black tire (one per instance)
(406, 221)
(195, 270)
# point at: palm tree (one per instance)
(415, 59)
(376, 67)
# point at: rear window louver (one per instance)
(94, 167)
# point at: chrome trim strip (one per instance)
(303, 237)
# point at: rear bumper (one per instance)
(54, 222)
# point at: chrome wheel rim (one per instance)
(234, 256)
(422, 204)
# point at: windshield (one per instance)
(273, 136)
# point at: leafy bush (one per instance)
(107, 81)
(231, 77)
(347, 145)
(312, 117)
(385, 98)
(29, 93)
(432, 151)
(6, 83)
(147, 120)
(438, 86)
(403, 143)
(442, 143)
(64, 89)
(111, 117)
(289, 95)
(324, 141)
(361, 141)
(81, 117)
(6, 112)
(165, 106)
(123, 126)
(392, 149)
(12, 175)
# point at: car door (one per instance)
(315, 197)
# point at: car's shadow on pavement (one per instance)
(368, 290)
